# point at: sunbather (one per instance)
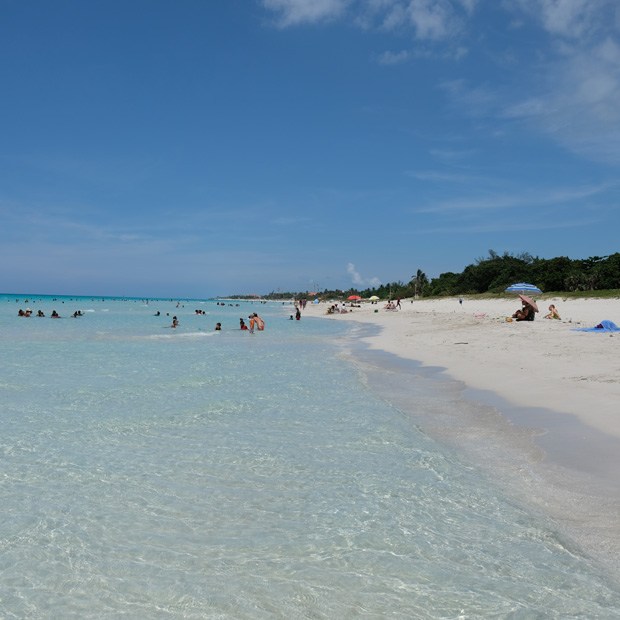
(526, 313)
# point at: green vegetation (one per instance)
(491, 275)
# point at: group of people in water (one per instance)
(255, 322)
(28, 313)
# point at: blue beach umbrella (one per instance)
(523, 288)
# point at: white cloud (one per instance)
(579, 108)
(357, 279)
(294, 12)
(469, 5)
(473, 100)
(568, 18)
(497, 226)
(549, 197)
(570, 91)
(430, 20)
(393, 58)
(452, 155)
(436, 176)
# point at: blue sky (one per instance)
(198, 148)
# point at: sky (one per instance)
(201, 148)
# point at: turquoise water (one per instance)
(158, 473)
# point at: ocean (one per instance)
(151, 472)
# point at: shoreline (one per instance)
(534, 402)
(544, 363)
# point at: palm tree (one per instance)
(418, 282)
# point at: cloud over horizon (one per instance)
(358, 280)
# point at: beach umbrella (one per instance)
(373, 298)
(530, 302)
(353, 298)
(523, 288)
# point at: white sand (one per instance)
(544, 363)
(544, 371)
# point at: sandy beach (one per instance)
(542, 375)
(543, 363)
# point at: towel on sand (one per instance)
(603, 326)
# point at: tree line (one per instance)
(492, 274)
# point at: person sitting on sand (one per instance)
(553, 313)
(526, 313)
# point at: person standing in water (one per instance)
(260, 324)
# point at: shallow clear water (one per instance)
(158, 473)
